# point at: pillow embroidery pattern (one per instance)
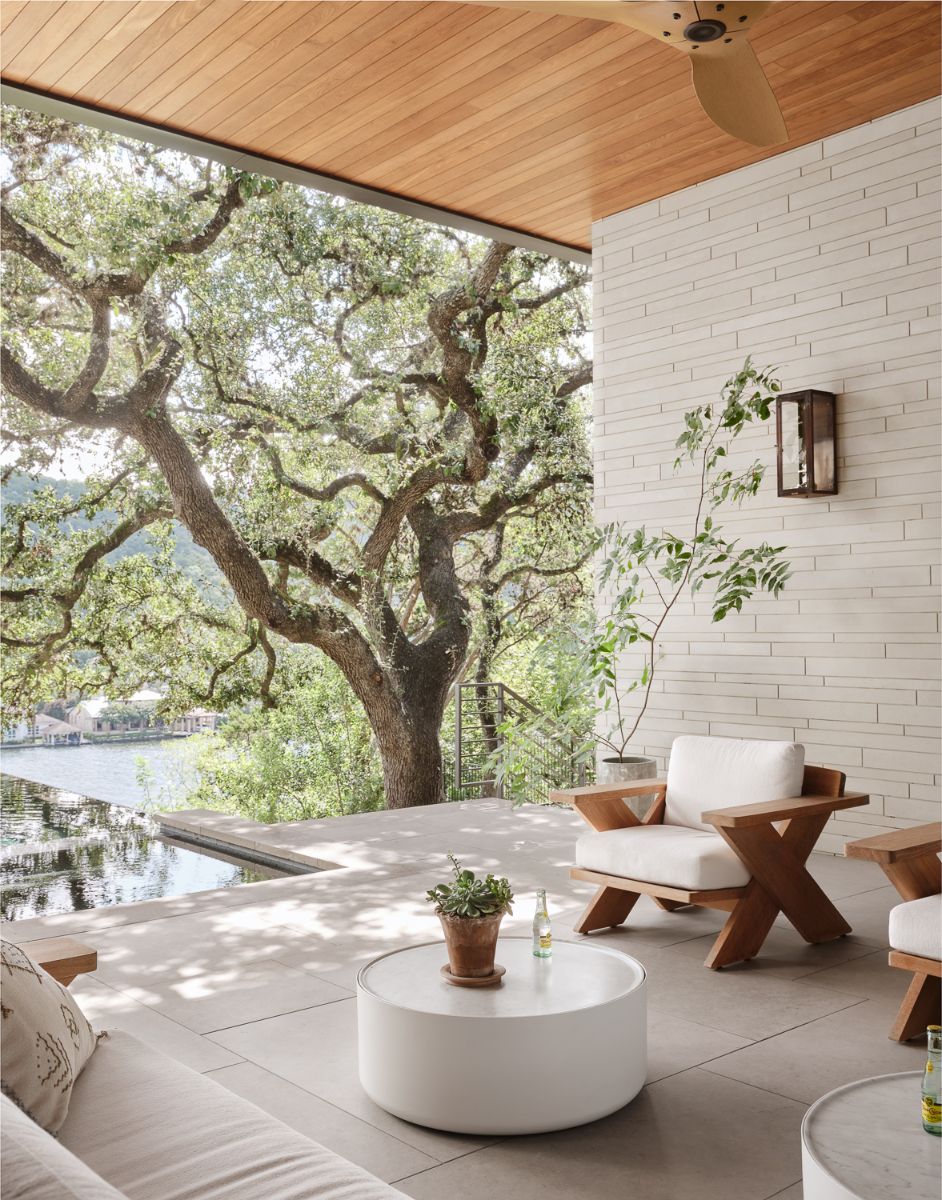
(46, 1039)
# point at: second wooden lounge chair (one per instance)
(731, 828)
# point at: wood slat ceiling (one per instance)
(535, 122)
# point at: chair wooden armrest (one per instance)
(602, 805)
(608, 791)
(899, 845)
(744, 815)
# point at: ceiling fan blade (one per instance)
(736, 95)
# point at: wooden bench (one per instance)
(62, 957)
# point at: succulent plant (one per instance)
(470, 897)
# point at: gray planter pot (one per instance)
(630, 769)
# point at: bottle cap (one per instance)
(934, 1029)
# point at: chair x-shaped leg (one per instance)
(780, 883)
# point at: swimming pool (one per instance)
(62, 852)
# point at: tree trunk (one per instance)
(412, 761)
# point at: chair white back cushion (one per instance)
(713, 772)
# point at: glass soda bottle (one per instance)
(542, 933)
(931, 1098)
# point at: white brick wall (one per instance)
(824, 262)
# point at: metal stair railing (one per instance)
(543, 755)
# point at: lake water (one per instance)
(104, 772)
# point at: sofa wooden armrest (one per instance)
(745, 815)
(899, 845)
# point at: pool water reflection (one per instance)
(62, 852)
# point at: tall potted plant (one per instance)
(643, 574)
(471, 911)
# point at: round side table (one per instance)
(561, 1042)
(865, 1141)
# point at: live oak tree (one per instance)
(376, 428)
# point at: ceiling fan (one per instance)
(729, 81)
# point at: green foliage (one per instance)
(470, 897)
(312, 756)
(642, 574)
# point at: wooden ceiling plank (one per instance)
(113, 36)
(330, 27)
(663, 96)
(9, 10)
(468, 97)
(270, 28)
(315, 82)
(398, 84)
(39, 47)
(162, 96)
(341, 92)
(581, 62)
(27, 24)
(540, 121)
(176, 23)
(156, 60)
(97, 19)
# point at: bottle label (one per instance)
(546, 941)
(931, 1111)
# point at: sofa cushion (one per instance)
(46, 1039)
(714, 772)
(916, 927)
(669, 854)
(157, 1130)
(36, 1167)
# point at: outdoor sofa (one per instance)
(141, 1126)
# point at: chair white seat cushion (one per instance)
(714, 772)
(673, 855)
(916, 927)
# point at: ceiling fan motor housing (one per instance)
(704, 31)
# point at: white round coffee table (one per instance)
(865, 1141)
(560, 1042)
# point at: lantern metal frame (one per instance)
(817, 416)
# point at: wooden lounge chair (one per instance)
(910, 860)
(747, 857)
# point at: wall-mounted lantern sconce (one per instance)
(806, 430)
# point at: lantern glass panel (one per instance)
(794, 463)
(824, 450)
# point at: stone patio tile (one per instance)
(785, 954)
(683, 1138)
(383, 1155)
(675, 1045)
(316, 1050)
(107, 1008)
(870, 977)
(747, 1004)
(795, 1192)
(235, 995)
(806, 1062)
(842, 877)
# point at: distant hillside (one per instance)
(193, 560)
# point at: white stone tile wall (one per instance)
(824, 262)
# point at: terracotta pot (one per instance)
(630, 769)
(472, 944)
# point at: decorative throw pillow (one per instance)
(45, 1039)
